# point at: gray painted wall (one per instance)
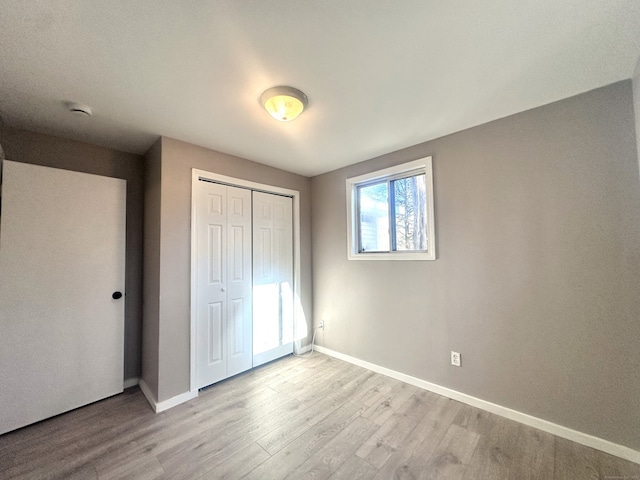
(537, 279)
(151, 267)
(636, 104)
(173, 319)
(36, 148)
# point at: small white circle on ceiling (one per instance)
(79, 109)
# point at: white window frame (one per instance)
(423, 165)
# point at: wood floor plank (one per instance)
(273, 441)
(475, 419)
(94, 418)
(353, 389)
(190, 458)
(296, 452)
(214, 445)
(411, 458)
(329, 385)
(311, 368)
(387, 439)
(236, 466)
(145, 468)
(613, 468)
(82, 473)
(79, 435)
(318, 373)
(381, 411)
(354, 469)
(336, 452)
(575, 461)
(380, 387)
(320, 407)
(321, 433)
(495, 451)
(213, 413)
(297, 418)
(452, 456)
(534, 454)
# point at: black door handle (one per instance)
(116, 295)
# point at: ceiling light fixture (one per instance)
(284, 103)
(79, 109)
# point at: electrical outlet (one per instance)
(321, 325)
(455, 359)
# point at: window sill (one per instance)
(393, 256)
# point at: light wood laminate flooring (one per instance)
(298, 418)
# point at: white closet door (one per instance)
(239, 311)
(223, 296)
(272, 277)
(62, 256)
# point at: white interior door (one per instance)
(62, 256)
(272, 277)
(223, 270)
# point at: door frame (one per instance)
(298, 314)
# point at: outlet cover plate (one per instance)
(456, 359)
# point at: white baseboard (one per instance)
(130, 382)
(146, 391)
(177, 400)
(165, 404)
(544, 425)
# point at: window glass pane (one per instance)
(410, 213)
(373, 223)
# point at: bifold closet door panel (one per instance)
(272, 277)
(62, 266)
(223, 276)
(239, 304)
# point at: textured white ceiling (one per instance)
(380, 74)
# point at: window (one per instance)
(391, 214)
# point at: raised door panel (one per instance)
(237, 328)
(215, 351)
(214, 254)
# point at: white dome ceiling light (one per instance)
(284, 103)
(79, 109)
